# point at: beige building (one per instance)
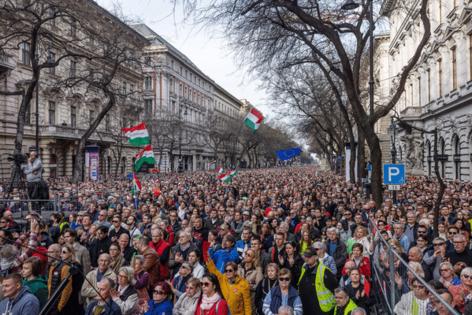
(64, 113)
(438, 91)
(184, 107)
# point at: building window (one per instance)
(429, 85)
(454, 68)
(28, 114)
(124, 88)
(470, 57)
(25, 50)
(52, 113)
(419, 91)
(440, 77)
(73, 68)
(429, 157)
(73, 116)
(457, 157)
(52, 60)
(148, 83)
(73, 28)
(148, 107)
(411, 94)
(91, 116)
(107, 122)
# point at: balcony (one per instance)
(6, 63)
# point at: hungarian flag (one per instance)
(212, 165)
(137, 135)
(220, 170)
(227, 178)
(136, 184)
(145, 156)
(253, 119)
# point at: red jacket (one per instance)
(221, 305)
(364, 268)
(162, 249)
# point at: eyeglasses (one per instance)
(115, 221)
(438, 244)
(452, 233)
(159, 292)
(284, 279)
(206, 284)
(229, 270)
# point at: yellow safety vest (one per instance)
(349, 308)
(324, 295)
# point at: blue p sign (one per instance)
(394, 174)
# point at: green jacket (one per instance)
(38, 287)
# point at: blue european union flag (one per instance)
(288, 154)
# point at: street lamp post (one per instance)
(393, 151)
(180, 167)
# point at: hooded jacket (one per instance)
(236, 294)
(24, 303)
(39, 288)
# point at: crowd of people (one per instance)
(275, 241)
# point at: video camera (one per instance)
(18, 158)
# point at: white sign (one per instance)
(393, 187)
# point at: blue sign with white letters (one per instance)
(394, 174)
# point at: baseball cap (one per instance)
(318, 245)
(310, 252)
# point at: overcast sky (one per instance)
(208, 49)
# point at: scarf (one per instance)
(208, 302)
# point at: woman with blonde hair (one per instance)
(68, 301)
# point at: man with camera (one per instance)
(33, 170)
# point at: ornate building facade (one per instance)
(184, 107)
(66, 111)
(438, 92)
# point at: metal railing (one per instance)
(385, 283)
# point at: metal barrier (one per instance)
(21, 207)
(384, 282)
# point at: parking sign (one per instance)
(394, 174)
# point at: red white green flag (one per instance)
(145, 156)
(253, 119)
(136, 184)
(137, 135)
(227, 178)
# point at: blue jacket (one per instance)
(24, 303)
(224, 255)
(329, 262)
(111, 308)
(162, 308)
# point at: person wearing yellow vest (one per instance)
(316, 286)
(344, 304)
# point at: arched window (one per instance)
(123, 165)
(429, 157)
(109, 165)
(456, 147)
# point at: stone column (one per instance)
(194, 162)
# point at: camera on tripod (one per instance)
(18, 158)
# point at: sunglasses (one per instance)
(115, 221)
(206, 284)
(284, 279)
(159, 292)
(229, 270)
(467, 276)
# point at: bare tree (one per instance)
(266, 33)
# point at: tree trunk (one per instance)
(352, 161)
(376, 159)
(442, 186)
(361, 170)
